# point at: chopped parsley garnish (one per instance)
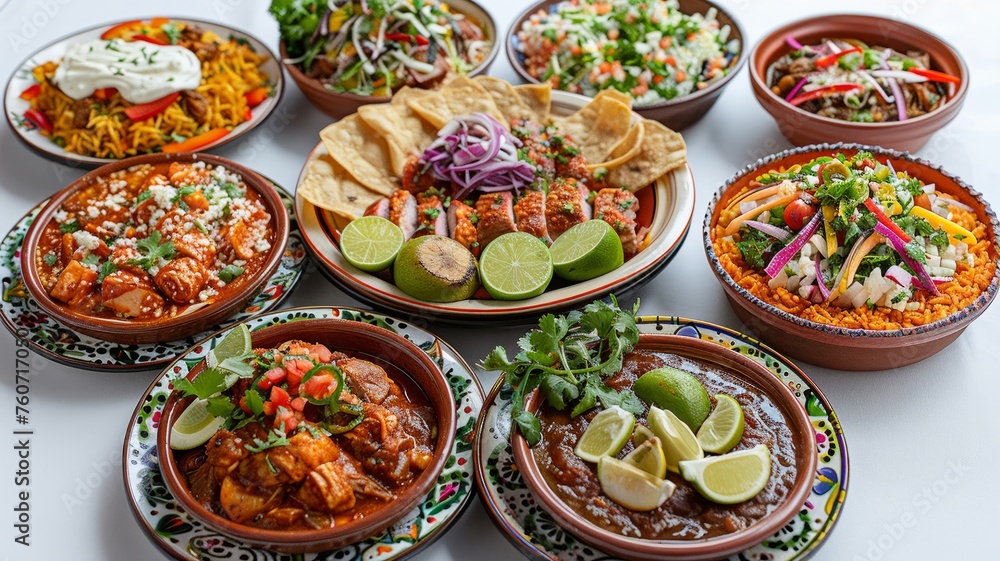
(107, 268)
(153, 250)
(50, 259)
(432, 213)
(183, 192)
(206, 384)
(916, 251)
(91, 259)
(232, 190)
(275, 438)
(144, 196)
(568, 357)
(69, 227)
(172, 33)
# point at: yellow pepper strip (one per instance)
(734, 225)
(955, 232)
(853, 262)
(829, 213)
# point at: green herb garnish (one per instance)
(229, 273)
(69, 227)
(152, 250)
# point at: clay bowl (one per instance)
(801, 127)
(637, 549)
(838, 347)
(399, 357)
(341, 104)
(141, 331)
(676, 113)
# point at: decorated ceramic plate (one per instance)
(22, 86)
(513, 509)
(671, 199)
(23, 317)
(184, 538)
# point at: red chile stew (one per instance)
(686, 515)
(153, 241)
(315, 439)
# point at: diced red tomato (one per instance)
(320, 386)
(256, 96)
(243, 406)
(320, 353)
(280, 397)
(299, 403)
(296, 369)
(144, 111)
(797, 213)
(287, 417)
(269, 408)
(265, 384)
(105, 93)
(38, 119)
(31, 92)
(276, 375)
(247, 115)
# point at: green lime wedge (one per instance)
(587, 250)
(723, 429)
(236, 343)
(606, 434)
(515, 266)
(641, 434)
(679, 443)
(731, 478)
(649, 457)
(631, 487)
(371, 243)
(194, 426)
(676, 390)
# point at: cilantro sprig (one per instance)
(569, 357)
(152, 249)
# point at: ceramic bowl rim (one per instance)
(958, 318)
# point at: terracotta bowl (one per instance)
(137, 331)
(801, 127)
(400, 358)
(341, 104)
(747, 370)
(838, 347)
(676, 113)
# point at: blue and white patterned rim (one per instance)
(516, 513)
(185, 538)
(22, 316)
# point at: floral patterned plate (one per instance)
(22, 316)
(515, 512)
(184, 538)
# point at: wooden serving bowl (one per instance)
(381, 346)
(677, 113)
(801, 127)
(836, 347)
(341, 104)
(140, 331)
(637, 549)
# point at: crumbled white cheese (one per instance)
(86, 240)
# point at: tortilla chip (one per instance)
(662, 151)
(624, 150)
(328, 186)
(405, 132)
(598, 127)
(528, 102)
(363, 152)
(460, 96)
(615, 95)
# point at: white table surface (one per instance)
(921, 439)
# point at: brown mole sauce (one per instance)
(686, 515)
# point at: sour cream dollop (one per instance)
(142, 72)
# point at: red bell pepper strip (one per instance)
(823, 92)
(105, 93)
(38, 119)
(117, 30)
(407, 38)
(886, 221)
(148, 39)
(195, 142)
(31, 92)
(830, 60)
(256, 96)
(935, 76)
(144, 111)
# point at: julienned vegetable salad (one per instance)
(646, 48)
(851, 232)
(375, 47)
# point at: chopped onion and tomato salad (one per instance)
(851, 232)
(848, 80)
(374, 47)
(645, 48)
